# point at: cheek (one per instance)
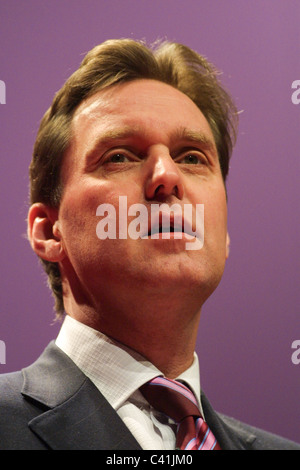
(218, 213)
(78, 219)
(215, 206)
(81, 211)
(215, 219)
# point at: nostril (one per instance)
(158, 189)
(161, 190)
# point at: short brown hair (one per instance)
(110, 63)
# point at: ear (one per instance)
(227, 245)
(43, 232)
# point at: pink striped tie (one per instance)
(178, 402)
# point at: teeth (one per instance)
(166, 229)
(162, 229)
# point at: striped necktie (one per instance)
(178, 402)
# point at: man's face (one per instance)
(149, 142)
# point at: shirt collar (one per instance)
(116, 370)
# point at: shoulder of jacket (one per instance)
(260, 439)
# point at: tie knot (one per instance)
(171, 398)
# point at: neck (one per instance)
(170, 348)
(163, 333)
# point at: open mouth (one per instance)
(164, 229)
(170, 224)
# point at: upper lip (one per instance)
(170, 222)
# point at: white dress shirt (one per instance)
(118, 372)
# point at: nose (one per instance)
(164, 178)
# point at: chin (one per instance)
(184, 278)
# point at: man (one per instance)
(139, 129)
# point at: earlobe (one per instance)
(43, 232)
(227, 245)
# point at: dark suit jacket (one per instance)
(53, 405)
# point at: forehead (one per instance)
(149, 102)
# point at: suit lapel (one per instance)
(72, 414)
(229, 436)
(76, 415)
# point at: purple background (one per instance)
(248, 326)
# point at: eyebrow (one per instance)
(108, 138)
(198, 137)
(179, 135)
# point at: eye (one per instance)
(117, 158)
(193, 159)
